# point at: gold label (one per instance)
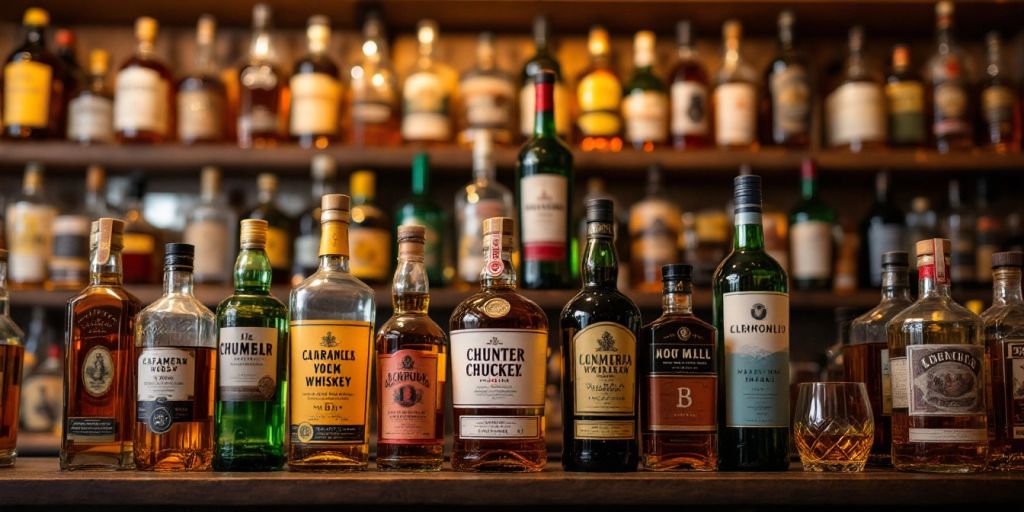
(497, 308)
(599, 95)
(604, 370)
(138, 243)
(334, 239)
(27, 94)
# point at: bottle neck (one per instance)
(484, 168)
(786, 39)
(145, 49)
(498, 272)
(205, 63)
(677, 298)
(261, 45)
(411, 292)
(105, 271)
(252, 271)
(600, 263)
(334, 246)
(544, 117)
(731, 54)
(1006, 286)
(944, 35)
(749, 233)
(177, 281)
(685, 51)
(895, 284)
(808, 187)
(97, 81)
(933, 283)
(36, 35)
(265, 196)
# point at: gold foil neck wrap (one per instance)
(411, 240)
(335, 208)
(253, 234)
(496, 225)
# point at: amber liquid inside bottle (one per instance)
(136, 135)
(862, 362)
(10, 391)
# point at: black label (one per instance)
(71, 246)
(91, 427)
(160, 415)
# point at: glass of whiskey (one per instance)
(833, 426)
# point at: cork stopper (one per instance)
(267, 182)
(106, 235)
(335, 208)
(36, 17)
(1008, 259)
(95, 178)
(146, 28)
(597, 41)
(323, 166)
(927, 247)
(253, 234)
(206, 29)
(99, 62)
(363, 183)
(499, 225)
(411, 240)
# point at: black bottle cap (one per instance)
(1012, 259)
(601, 210)
(137, 187)
(676, 272)
(544, 76)
(895, 259)
(747, 192)
(179, 255)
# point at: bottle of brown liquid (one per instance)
(143, 92)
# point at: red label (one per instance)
(682, 403)
(494, 264)
(545, 97)
(408, 394)
(544, 252)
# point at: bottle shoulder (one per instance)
(540, 155)
(679, 328)
(749, 270)
(498, 309)
(251, 304)
(1007, 319)
(934, 310)
(593, 305)
(413, 328)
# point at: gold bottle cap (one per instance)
(927, 247)
(363, 183)
(95, 178)
(324, 166)
(34, 16)
(209, 181)
(146, 28)
(33, 176)
(597, 41)
(253, 234)
(499, 225)
(411, 240)
(900, 56)
(206, 29)
(335, 208)
(266, 182)
(99, 62)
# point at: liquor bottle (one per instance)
(141, 253)
(922, 224)
(655, 225)
(936, 362)
(951, 109)
(12, 355)
(706, 243)
(1004, 327)
(599, 366)
(369, 231)
(307, 242)
(904, 95)
(411, 374)
(855, 109)
(678, 382)
(331, 326)
(41, 390)
(427, 92)
(373, 92)
(33, 84)
(989, 233)
(91, 108)
(30, 218)
(202, 97)
(786, 104)
(176, 344)
(689, 94)
(99, 381)
(66, 52)
(599, 96)
(542, 59)
(211, 230)
(482, 198)
(644, 102)
(279, 245)
(735, 97)
(866, 358)
(69, 265)
(1000, 105)
(811, 244)
(958, 224)
(596, 189)
(499, 343)
(262, 88)
(315, 90)
(143, 92)
(751, 314)
(487, 96)
(252, 364)
(882, 231)
(421, 209)
(544, 176)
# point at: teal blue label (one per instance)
(756, 342)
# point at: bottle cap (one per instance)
(1011, 259)
(33, 179)
(684, 33)
(601, 210)
(36, 17)
(253, 234)
(146, 28)
(335, 208)
(209, 180)
(411, 239)
(597, 40)
(324, 166)
(677, 272)
(895, 259)
(426, 31)
(261, 16)
(105, 235)
(363, 184)
(732, 29)
(747, 192)
(99, 62)
(540, 30)
(206, 29)
(64, 37)
(808, 169)
(266, 182)
(499, 226)
(944, 8)
(643, 48)
(786, 19)
(544, 76)
(95, 178)
(181, 256)
(927, 247)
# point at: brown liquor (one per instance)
(144, 92)
(1004, 340)
(12, 355)
(262, 90)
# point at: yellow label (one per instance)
(27, 94)
(604, 370)
(599, 95)
(277, 248)
(138, 243)
(371, 253)
(334, 239)
(905, 97)
(329, 380)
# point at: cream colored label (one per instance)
(371, 253)
(315, 102)
(735, 114)
(499, 427)
(900, 382)
(604, 370)
(905, 97)
(604, 430)
(544, 201)
(811, 250)
(27, 94)
(200, 115)
(646, 116)
(140, 101)
(689, 109)
(166, 373)
(425, 113)
(247, 364)
(498, 368)
(210, 238)
(527, 115)
(948, 435)
(30, 235)
(91, 118)
(855, 113)
(488, 101)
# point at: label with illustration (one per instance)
(689, 109)
(409, 393)
(604, 370)
(755, 331)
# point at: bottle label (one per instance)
(683, 385)
(946, 380)
(899, 382)
(334, 239)
(371, 112)
(689, 109)
(499, 368)
(886, 380)
(471, 258)
(330, 379)
(91, 119)
(371, 253)
(645, 113)
(98, 365)
(200, 115)
(791, 100)
(488, 101)
(259, 119)
(950, 110)
(409, 393)
(756, 341)
(997, 104)
(811, 249)
(30, 235)
(855, 114)
(604, 370)
(599, 95)
(882, 238)
(307, 251)
(27, 94)
(527, 101)
(425, 108)
(499, 427)
(735, 114)
(210, 238)
(277, 248)
(654, 227)
(604, 430)
(41, 402)
(247, 364)
(91, 430)
(140, 101)
(1012, 394)
(906, 111)
(166, 387)
(315, 102)
(544, 205)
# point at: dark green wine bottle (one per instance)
(811, 243)
(421, 209)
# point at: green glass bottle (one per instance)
(422, 210)
(544, 175)
(751, 314)
(811, 242)
(644, 100)
(252, 365)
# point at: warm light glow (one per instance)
(357, 72)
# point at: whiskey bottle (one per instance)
(751, 314)
(883, 230)
(252, 364)
(331, 329)
(33, 84)
(202, 97)
(307, 242)
(373, 92)
(262, 89)
(946, 73)
(866, 358)
(144, 92)
(369, 233)
(786, 104)
(936, 362)
(141, 253)
(42, 406)
(735, 97)
(421, 209)
(315, 90)
(811, 222)
(1000, 107)
(279, 227)
(599, 98)
(411, 353)
(66, 42)
(176, 343)
(1004, 343)
(678, 382)
(427, 92)
(655, 225)
(91, 108)
(855, 109)
(499, 343)
(599, 359)
(12, 355)
(99, 379)
(689, 94)
(542, 59)
(30, 218)
(644, 102)
(211, 230)
(482, 198)
(904, 95)
(487, 96)
(545, 175)
(69, 266)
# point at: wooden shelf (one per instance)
(38, 482)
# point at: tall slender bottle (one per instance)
(29, 227)
(951, 104)
(883, 230)
(373, 91)
(483, 198)
(427, 92)
(786, 104)
(487, 96)
(12, 361)
(735, 98)
(812, 245)
(331, 327)
(278, 243)
(855, 109)
(645, 102)
(252, 364)
(751, 314)
(202, 97)
(599, 358)
(69, 266)
(655, 225)
(315, 90)
(211, 230)
(1004, 343)
(542, 59)
(144, 92)
(599, 97)
(422, 210)
(545, 177)
(142, 246)
(1000, 104)
(369, 233)
(411, 352)
(307, 241)
(263, 90)
(91, 108)
(904, 95)
(33, 84)
(689, 94)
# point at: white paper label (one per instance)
(689, 109)
(91, 119)
(168, 373)
(756, 341)
(370, 112)
(855, 113)
(545, 199)
(211, 239)
(498, 368)
(30, 241)
(735, 114)
(488, 101)
(900, 384)
(499, 427)
(645, 116)
(140, 101)
(247, 363)
(811, 250)
(948, 435)
(425, 112)
(315, 101)
(200, 115)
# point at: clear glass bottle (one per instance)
(487, 96)
(315, 90)
(735, 96)
(644, 99)
(427, 92)
(855, 109)
(202, 97)
(689, 94)
(33, 90)
(904, 94)
(373, 91)
(655, 225)
(958, 225)
(483, 198)
(1000, 103)
(262, 88)
(324, 171)
(369, 233)
(1004, 343)
(542, 59)
(936, 362)
(598, 98)
(786, 104)
(411, 353)
(91, 108)
(144, 92)
(211, 230)
(331, 322)
(946, 71)
(176, 361)
(12, 355)
(29, 226)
